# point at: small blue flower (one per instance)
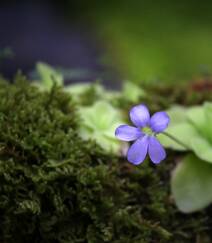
(144, 134)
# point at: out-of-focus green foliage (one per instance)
(151, 41)
(192, 184)
(89, 93)
(57, 187)
(99, 122)
(48, 76)
(192, 127)
(86, 93)
(132, 92)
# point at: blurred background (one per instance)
(142, 41)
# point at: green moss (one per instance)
(57, 188)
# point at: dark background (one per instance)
(108, 40)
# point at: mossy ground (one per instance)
(57, 188)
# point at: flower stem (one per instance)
(176, 140)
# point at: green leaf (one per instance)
(99, 122)
(178, 128)
(192, 127)
(208, 118)
(202, 148)
(191, 184)
(208, 111)
(177, 114)
(196, 116)
(80, 88)
(132, 92)
(48, 75)
(100, 116)
(184, 132)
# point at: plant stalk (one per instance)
(176, 140)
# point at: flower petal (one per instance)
(138, 151)
(159, 121)
(156, 151)
(139, 115)
(127, 133)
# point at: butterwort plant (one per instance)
(144, 134)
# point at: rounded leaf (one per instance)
(202, 148)
(184, 132)
(191, 184)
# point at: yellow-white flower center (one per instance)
(147, 130)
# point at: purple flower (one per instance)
(144, 134)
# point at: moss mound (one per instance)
(57, 188)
